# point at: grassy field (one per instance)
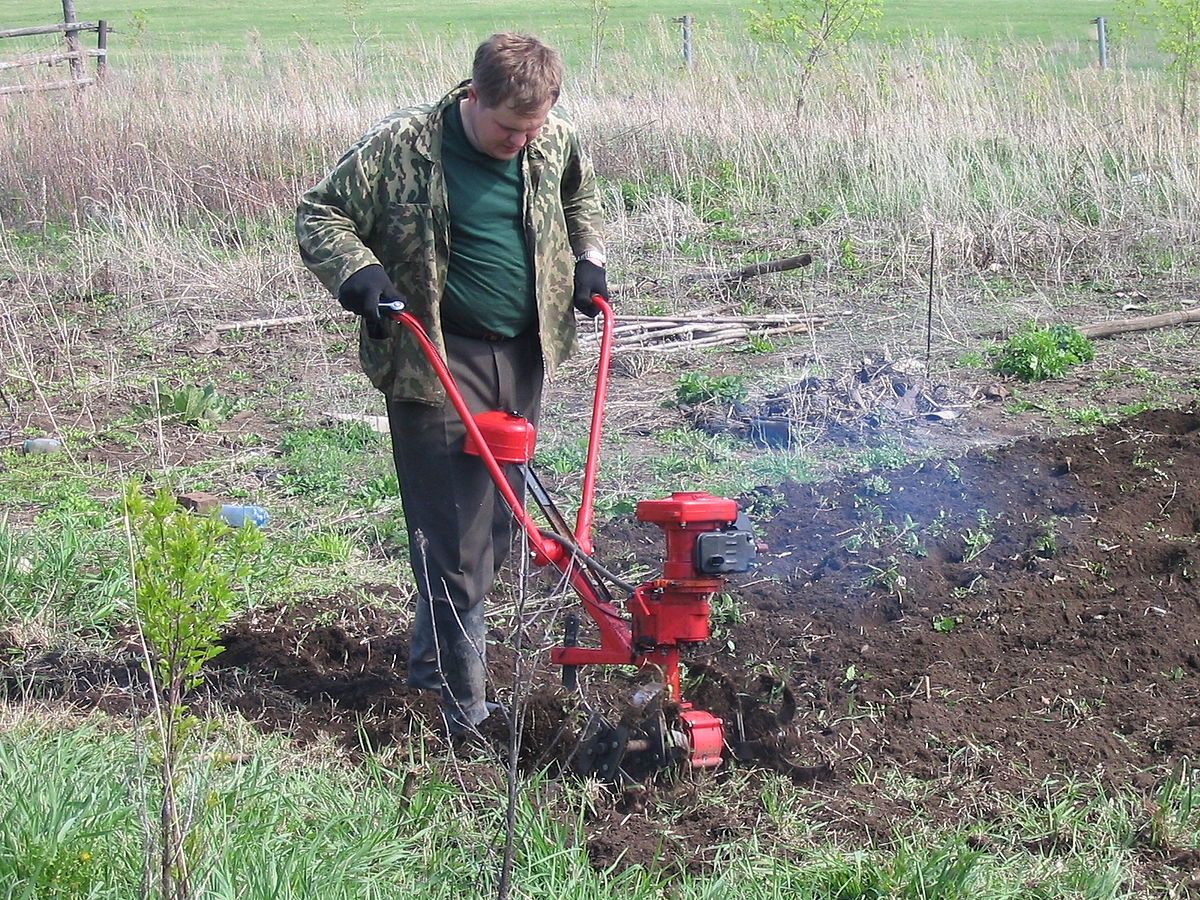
(173, 26)
(1049, 197)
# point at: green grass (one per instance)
(346, 463)
(267, 827)
(66, 578)
(175, 28)
(64, 561)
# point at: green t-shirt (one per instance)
(489, 286)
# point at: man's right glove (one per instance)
(361, 293)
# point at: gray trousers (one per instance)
(459, 527)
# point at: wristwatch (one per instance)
(595, 257)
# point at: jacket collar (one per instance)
(428, 141)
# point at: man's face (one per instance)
(500, 131)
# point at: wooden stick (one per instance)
(1143, 323)
(746, 327)
(49, 86)
(737, 276)
(680, 330)
(267, 323)
(72, 37)
(48, 59)
(101, 49)
(47, 29)
(705, 317)
(711, 340)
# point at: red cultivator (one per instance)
(706, 539)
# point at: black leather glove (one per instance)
(589, 280)
(361, 293)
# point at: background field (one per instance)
(173, 26)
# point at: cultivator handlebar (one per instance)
(707, 538)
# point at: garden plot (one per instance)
(978, 625)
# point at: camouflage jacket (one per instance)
(385, 202)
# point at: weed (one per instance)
(848, 256)
(1035, 354)
(1141, 461)
(940, 525)
(1089, 416)
(193, 406)
(877, 485)
(330, 464)
(885, 575)
(758, 343)
(882, 457)
(908, 536)
(854, 675)
(724, 612)
(562, 459)
(695, 388)
(977, 540)
(946, 624)
(1176, 807)
(977, 586)
(815, 216)
(1045, 544)
(69, 575)
(326, 547)
(1127, 410)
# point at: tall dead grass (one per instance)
(1016, 161)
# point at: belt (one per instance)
(476, 335)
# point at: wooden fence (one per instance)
(75, 54)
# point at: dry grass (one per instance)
(170, 191)
(1055, 173)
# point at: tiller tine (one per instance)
(638, 745)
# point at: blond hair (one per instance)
(518, 71)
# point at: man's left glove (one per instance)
(589, 280)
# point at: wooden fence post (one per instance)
(686, 22)
(1102, 40)
(72, 36)
(70, 28)
(102, 48)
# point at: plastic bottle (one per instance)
(238, 515)
(41, 445)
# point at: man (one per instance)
(480, 212)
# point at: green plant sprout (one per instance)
(977, 540)
(193, 406)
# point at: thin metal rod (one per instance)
(929, 306)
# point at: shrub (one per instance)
(1035, 354)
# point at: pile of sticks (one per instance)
(672, 334)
